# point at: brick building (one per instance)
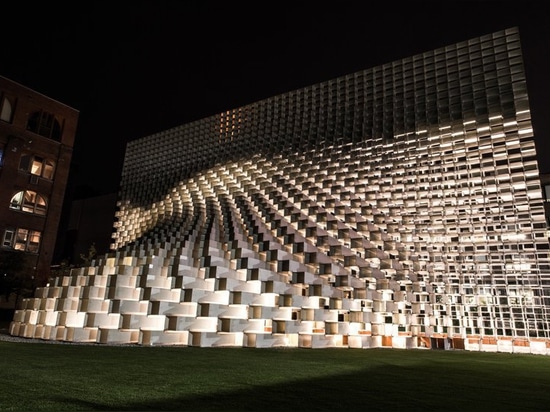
(37, 135)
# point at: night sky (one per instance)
(134, 68)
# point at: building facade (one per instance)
(36, 141)
(399, 206)
(90, 224)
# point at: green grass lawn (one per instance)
(42, 376)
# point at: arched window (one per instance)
(30, 202)
(45, 124)
(6, 109)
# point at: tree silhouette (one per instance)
(92, 253)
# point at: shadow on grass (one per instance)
(371, 389)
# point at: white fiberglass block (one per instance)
(27, 330)
(81, 334)
(31, 316)
(538, 347)
(399, 342)
(39, 332)
(266, 299)
(15, 327)
(359, 341)
(234, 312)
(251, 286)
(153, 322)
(124, 293)
(523, 348)
(41, 292)
(255, 326)
(31, 304)
(166, 295)
(505, 345)
(159, 282)
(118, 336)
(227, 339)
(103, 320)
(98, 280)
(246, 298)
(199, 283)
(130, 306)
(93, 292)
(204, 324)
(94, 305)
(166, 337)
(488, 347)
(282, 313)
(67, 304)
(72, 319)
(47, 304)
(19, 315)
(48, 318)
(72, 291)
(129, 281)
(138, 321)
(220, 297)
(178, 309)
(326, 315)
(294, 327)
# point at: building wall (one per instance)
(91, 223)
(399, 206)
(34, 125)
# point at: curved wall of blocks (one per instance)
(402, 208)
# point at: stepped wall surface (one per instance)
(399, 206)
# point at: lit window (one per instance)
(22, 239)
(6, 110)
(9, 236)
(37, 166)
(29, 201)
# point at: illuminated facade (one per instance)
(399, 206)
(36, 142)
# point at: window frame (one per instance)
(36, 165)
(23, 239)
(45, 124)
(7, 108)
(32, 205)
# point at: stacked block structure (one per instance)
(398, 206)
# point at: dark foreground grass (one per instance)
(55, 377)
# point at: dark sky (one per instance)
(134, 68)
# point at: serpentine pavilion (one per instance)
(399, 206)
